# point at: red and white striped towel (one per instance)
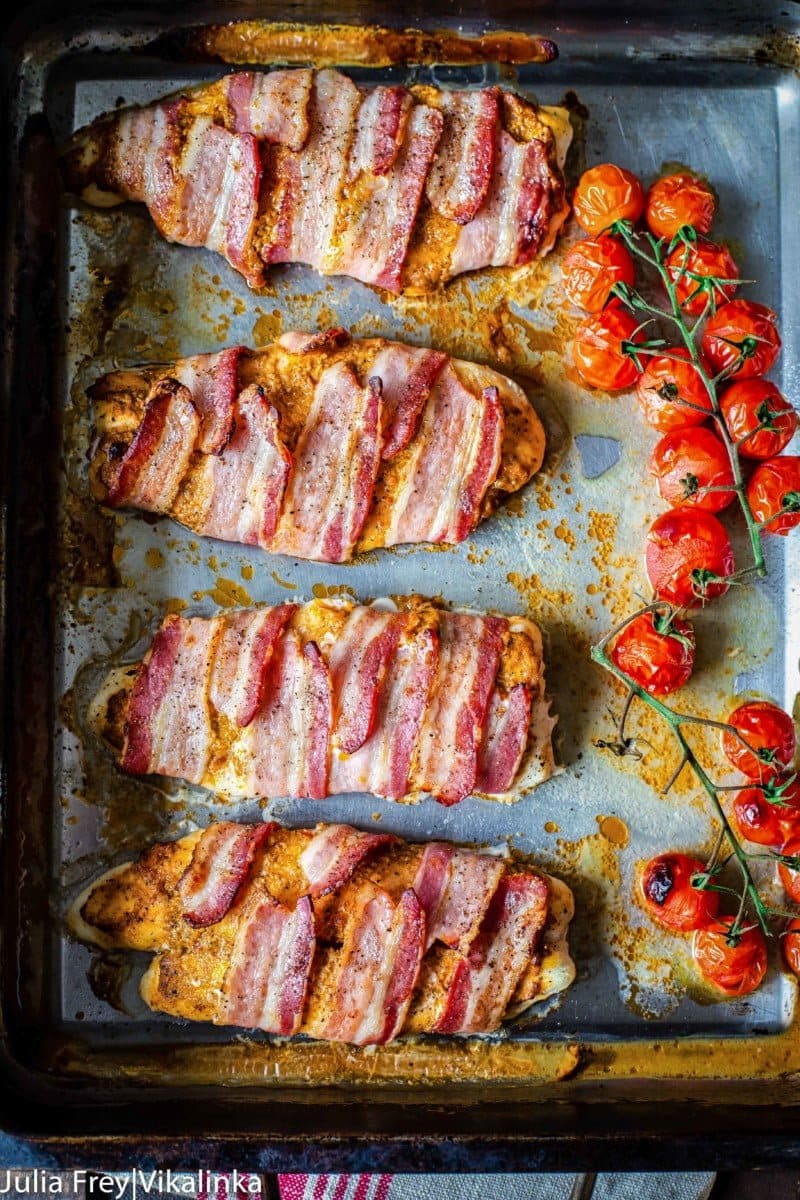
(334, 1187)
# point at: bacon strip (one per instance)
(407, 375)
(485, 980)
(241, 664)
(447, 751)
(168, 728)
(383, 764)
(459, 179)
(334, 853)
(271, 961)
(455, 458)
(359, 661)
(150, 470)
(290, 734)
(246, 483)
(505, 737)
(455, 888)
(375, 242)
(273, 107)
(213, 381)
(220, 864)
(379, 130)
(309, 343)
(335, 467)
(380, 962)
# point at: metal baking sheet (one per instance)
(567, 551)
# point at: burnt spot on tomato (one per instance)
(659, 882)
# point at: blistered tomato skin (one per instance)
(605, 194)
(741, 338)
(770, 736)
(688, 266)
(790, 946)
(735, 970)
(669, 897)
(659, 661)
(677, 200)
(752, 403)
(671, 392)
(689, 460)
(684, 547)
(789, 877)
(592, 267)
(757, 819)
(597, 349)
(774, 487)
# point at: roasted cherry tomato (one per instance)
(669, 896)
(656, 651)
(688, 266)
(741, 332)
(790, 946)
(677, 200)
(736, 970)
(759, 418)
(606, 194)
(591, 269)
(769, 734)
(790, 878)
(757, 819)
(687, 550)
(597, 349)
(773, 487)
(671, 392)
(688, 460)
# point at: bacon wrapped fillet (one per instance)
(317, 446)
(402, 188)
(338, 934)
(331, 697)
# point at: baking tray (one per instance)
(88, 291)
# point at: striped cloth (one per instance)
(656, 1186)
(334, 1187)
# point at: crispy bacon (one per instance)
(447, 751)
(244, 652)
(168, 728)
(273, 107)
(407, 375)
(310, 343)
(359, 660)
(151, 468)
(379, 130)
(459, 179)
(379, 967)
(455, 888)
(334, 853)
(485, 979)
(247, 482)
(220, 864)
(335, 467)
(505, 737)
(271, 961)
(383, 764)
(290, 734)
(456, 456)
(213, 381)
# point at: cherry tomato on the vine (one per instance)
(597, 349)
(770, 737)
(605, 194)
(687, 557)
(669, 896)
(708, 261)
(759, 418)
(671, 392)
(757, 819)
(656, 651)
(688, 460)
(592, 267)
(774, 487)
(790, 946)
(736, 970)
(790, 878)
(741, 332)
(677, 200)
